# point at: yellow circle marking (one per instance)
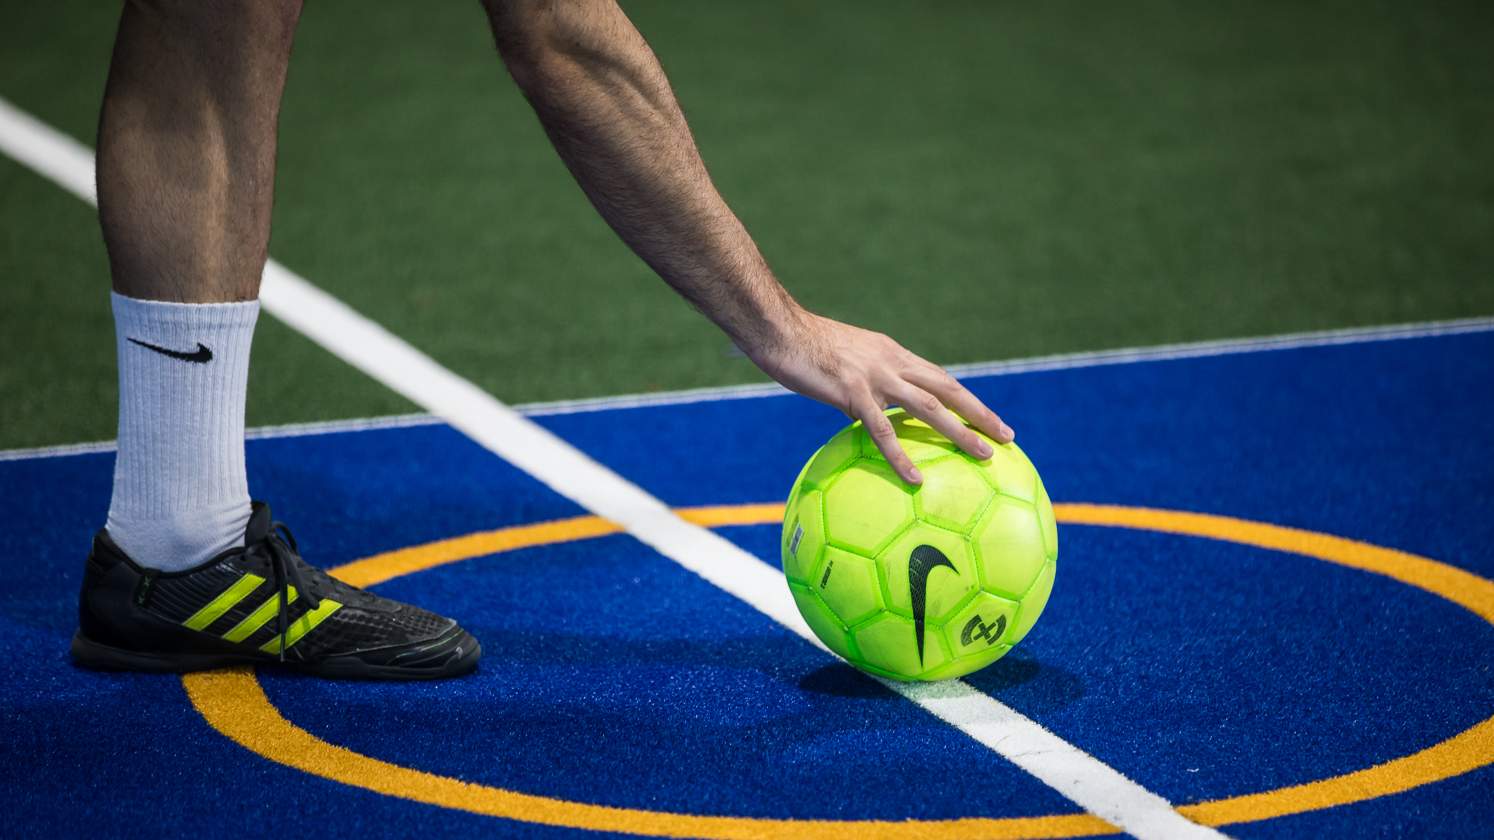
(234, 703)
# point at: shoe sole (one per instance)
(452, 655)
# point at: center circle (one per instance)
(233, 702)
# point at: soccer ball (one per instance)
(922, 582)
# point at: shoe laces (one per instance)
(279, 550)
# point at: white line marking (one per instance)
(387, 358)
(1092, 785)
(286, 430)
(47, 151)
(59, 451)
(1227, 347)
(1062, 361)
(332, 427)
(973, 370)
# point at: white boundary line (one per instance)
(972, 370)
(1063, 361)
(1086, 781)
(320, 427)
(38, 453)
(1089, 783)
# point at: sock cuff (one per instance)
(167, 315)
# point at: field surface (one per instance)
(1273, 614)
(983, 180)
(1202, 669)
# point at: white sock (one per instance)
(180, 492)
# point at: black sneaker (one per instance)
(260, 604)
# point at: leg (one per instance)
(186, 151)
(186, 168)
(187, 574)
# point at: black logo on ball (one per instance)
(975, 628)
(921, 562)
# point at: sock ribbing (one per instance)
(180, 490)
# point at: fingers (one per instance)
(930, 409)
(959, 400)
(879, 428)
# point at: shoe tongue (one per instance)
(259, 524)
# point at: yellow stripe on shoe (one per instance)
(225, 601)
(303, 625)
(261, 616)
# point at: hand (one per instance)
(862, 372)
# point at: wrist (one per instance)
(774, 330)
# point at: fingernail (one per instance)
(983, 450)
(915, 476)
(1010, 435)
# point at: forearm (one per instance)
(605, 103)
(607, 107)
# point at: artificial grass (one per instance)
(57, 371)
(980, 180)
(1199, 668)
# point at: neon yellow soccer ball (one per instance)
(919, 583)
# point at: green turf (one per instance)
(57, 338)
(981, 179)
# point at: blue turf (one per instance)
(612, 676)
(655, 692)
